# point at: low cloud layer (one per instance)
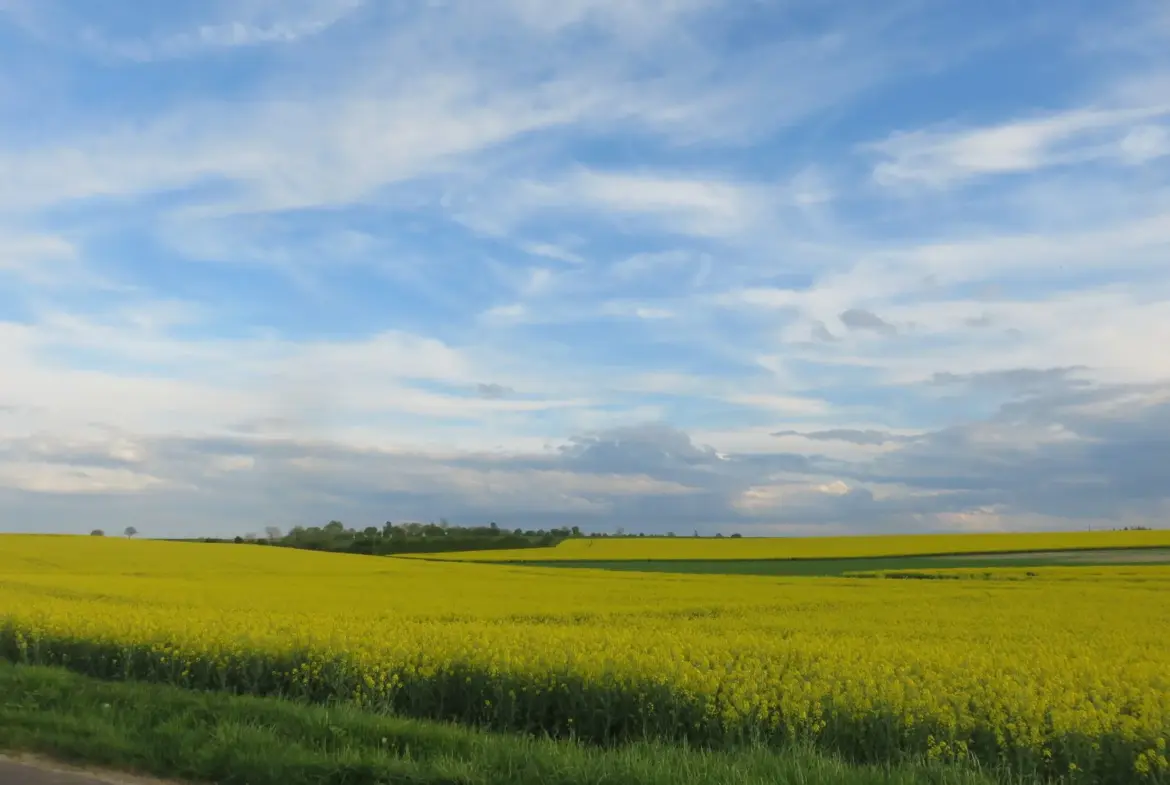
(1098, 457)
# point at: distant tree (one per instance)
(97, 533)
(250, 537)
(620, 531)
(371, 532)
(719, 535)
(272, 533)
(671, 534)
(576, 531)
(130, 531)
(335, 528)
(736, 536)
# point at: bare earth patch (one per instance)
(36, 770)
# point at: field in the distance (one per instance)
(1064, 675)
(612, 549)
(862, 564)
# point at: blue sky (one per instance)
(772, 266)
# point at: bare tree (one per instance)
(272, 533)
(130, 532)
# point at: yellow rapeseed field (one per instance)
(703, 548)
(1063, 677)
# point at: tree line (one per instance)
(411, 537)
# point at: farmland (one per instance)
(862, 564)
(1065, 674)
(774, 548)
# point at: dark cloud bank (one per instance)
(1058, 451)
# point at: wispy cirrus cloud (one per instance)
(148, 37)
(34, 256)
(939, 158)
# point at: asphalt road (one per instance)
(14, 772)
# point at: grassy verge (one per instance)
(211, 737)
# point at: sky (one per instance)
(766, 266)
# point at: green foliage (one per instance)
(408, 538)
(232, 740)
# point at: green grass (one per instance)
(214, 737)
(836, 567)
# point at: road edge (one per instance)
(97, 774)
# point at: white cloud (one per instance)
(787, 404)
(764, 499)
(380, 389)
(1145, 143)
(241, 24)
(914, 287)
(942, 158)
(687, 205)
(410, 107)
(36, 258)
(509, 312)
(283, 155)
(695, 205)
(637, 19)
(233, 463)
(552, 251)
(705, 206)
(1114, 332)
(658, 263)
(49, 478)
